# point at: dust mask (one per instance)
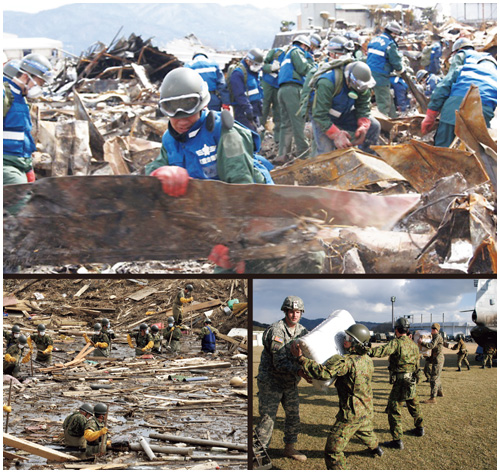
(34, 92)
(16, 335)
(42, 334)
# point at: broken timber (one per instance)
(35, 449)
(209, 443)
(107, 219)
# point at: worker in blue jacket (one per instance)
(401, 99)
(246, 93)
(384, 58)
(34, 72)
(210, 71)
(426, 82)
(479, 69)
(431, 57)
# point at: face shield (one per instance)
(359, 86)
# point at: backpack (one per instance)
(311, 81)
(229, 73)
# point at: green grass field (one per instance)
(460, 430)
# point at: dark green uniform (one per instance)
(173, 337)
(355, 416)
(42, 343)
(101, 338)
(93, 447)
(141, 341)
(437, 361)
(403, 366)
(111, 335)
(74, 428)
(277, 381)
(462, 354)
(9, 336)
(13, 367)
(180, 299)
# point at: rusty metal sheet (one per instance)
(470, 127)
(108, 219)
(422, 164)
(341, 169)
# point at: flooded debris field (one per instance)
(190, 408)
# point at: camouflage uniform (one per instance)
(173, 337)
(110, 334)
(141, 341)
(277, 382)
(437, 361)
(157, 338)
(488, 353)
(403, 366)
(102, 337)
(74, 428)
(93, 447)
(427, 368)
(9, 336)
(42, 343)
(462, 354)
(177, 306)
(355, 417)
(13, 367)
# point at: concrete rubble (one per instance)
(190, 409)
(102, 119)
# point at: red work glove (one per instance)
(428, 121)
(341, 138)
(174, 180)
(31, 175)
(225, 106)
(364, 124)
(220, 256)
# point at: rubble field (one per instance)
(192, 409)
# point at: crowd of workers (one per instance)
(283, 365)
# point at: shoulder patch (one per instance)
(277, 339)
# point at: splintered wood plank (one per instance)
(35, 449)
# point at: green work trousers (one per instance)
(270, 106)
(385, 102)
(292, 125)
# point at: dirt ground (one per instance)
(188, 395)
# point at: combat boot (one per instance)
(440, 393)
(397, 444)
(432, 400)
(419, 431)
(459, 369)
(468, 367)
(377, 452)
(290, 452)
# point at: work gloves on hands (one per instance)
(275, 66)
(129, 340)
(101, 345)
(428, 121)
(364, 124)
(341, 138)
(174, 180)
(30, 175)
(220, 256)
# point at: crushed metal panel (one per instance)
(128, 218)
(341, 169)
(96, 139)
(422, 164)
(470, 127)
(114, 151)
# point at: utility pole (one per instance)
(393, 299)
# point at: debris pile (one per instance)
(190, 409)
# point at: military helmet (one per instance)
(302, 39)
(40, 328)
(16, 329)
(11, 68)
(154, 328)
(359, 334)
(38, 66)
(315, 40)
(421, 74)
(97, 326)
(189, 287)
(462, 43)
(402, 323)
(255, 56)
(394, 27)
(359, 76)
(86, 407)
(183, 93)
(105, 322)
(22, 339)
(143, 327)
(100, 409)
(336, 44)
(171, 320)
(292, 303)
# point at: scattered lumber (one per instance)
(209, 443)
(25, 445)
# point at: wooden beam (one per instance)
(35, 449)
(13, 456)
(209, 443)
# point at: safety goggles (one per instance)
(358, 85)
(187, 104)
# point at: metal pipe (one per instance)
(147, 448)
(176, 450)
(209, 443)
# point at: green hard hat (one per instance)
(105, 322)
(41, 327)
(143, 327)
(16, 329)
(86, 407)
(22, 339)
(100, 409)
(359, 333)
(292, 303)
(154, 328)
(402, 323)
(189, 287)
(97, 326)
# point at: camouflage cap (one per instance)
(436, 326)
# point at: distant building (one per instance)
(325, 15)
(17, 48)
(257, 339)
(473, 13)
(449, 328)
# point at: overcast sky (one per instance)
(368, 300)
